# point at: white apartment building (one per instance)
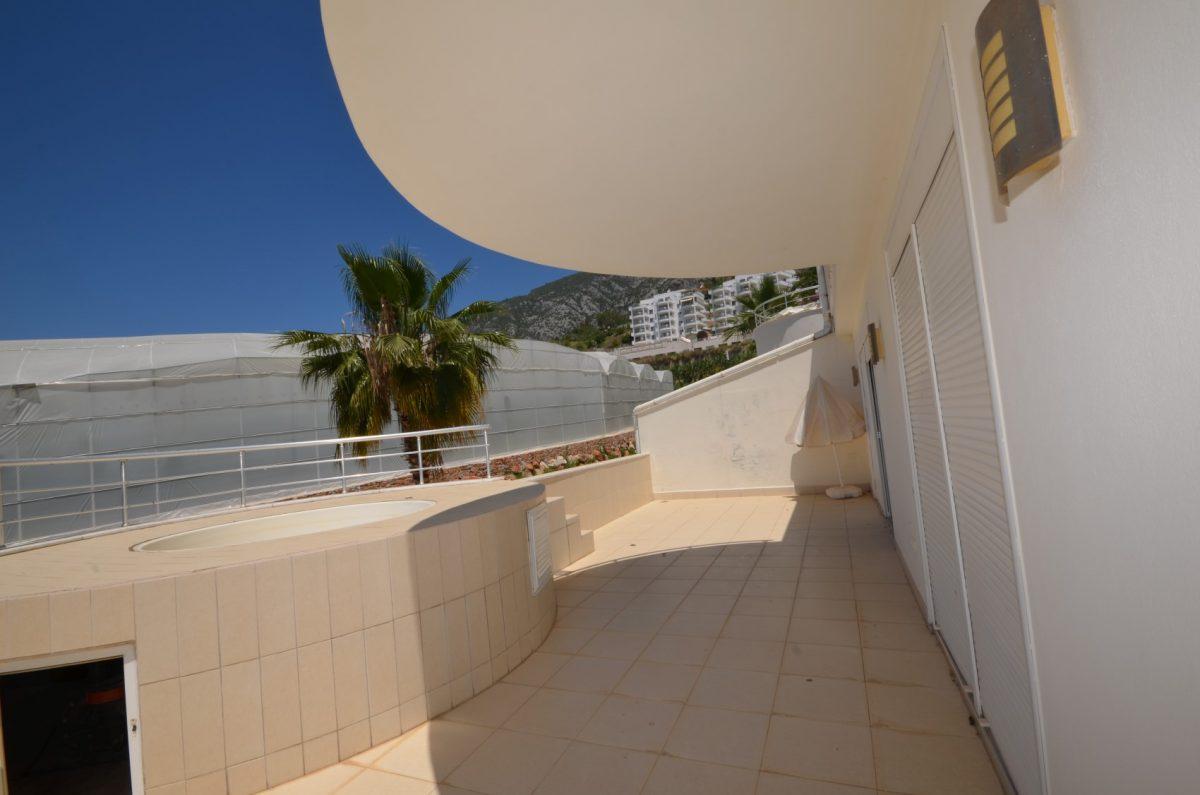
(669, 316)
(723, 301)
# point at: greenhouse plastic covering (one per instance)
(138, 394)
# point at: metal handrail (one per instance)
(92, 459)
(799, 297)
(88, 492)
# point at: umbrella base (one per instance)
(843, 492)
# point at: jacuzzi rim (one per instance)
(141, 546)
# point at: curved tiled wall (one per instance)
(254, 674)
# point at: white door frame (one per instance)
(870, 398)
(940, 111)
(133, 720)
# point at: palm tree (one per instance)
(747, 320)
(404, 356)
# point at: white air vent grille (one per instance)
(538, 522)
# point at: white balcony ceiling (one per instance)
(653, 138)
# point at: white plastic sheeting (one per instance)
(545, 394)
(137, 394)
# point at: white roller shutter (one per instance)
(933, 489)
(976, 480)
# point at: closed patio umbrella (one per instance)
(829, 419)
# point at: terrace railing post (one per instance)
(124, 496)
(487, 453)
(242, 473)
(342, 464)
(420, 464)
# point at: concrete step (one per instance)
(579, 543)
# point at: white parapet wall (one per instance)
(730, 433)
(789, 325)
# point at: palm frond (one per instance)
(442, 291)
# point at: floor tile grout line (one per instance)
(757, 557)
(761, 542)
(786, 637)
(707, 657)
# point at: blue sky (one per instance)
(181, 166)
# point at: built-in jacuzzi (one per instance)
(270, 642)
(285, 525)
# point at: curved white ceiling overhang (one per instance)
(646, 138)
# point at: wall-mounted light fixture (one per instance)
(1023, 89)
(875, 342)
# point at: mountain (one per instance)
(556, 308)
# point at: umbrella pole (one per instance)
(836, 462)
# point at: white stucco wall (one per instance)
(788, 326)
(730, 431)
(1091, 283)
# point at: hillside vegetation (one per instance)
(690, 366)
(559, 309)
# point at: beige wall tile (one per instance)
(489, 550)
(350, 679)
(354, 739)
(450, 547)
(472, 554)
(157, 630)
(248, 777)
(196, 617)
(380, 643)
(376, 585)
(162, 732)
(508, 604)
(512, 529)
(481, 677)
(385, 726)
(280, 701)
(112, 615)
(495, 618)
(560, 552)
(317, 714)
(429, 567)
(477, 629)
(410, 669)
(439, 700)
(414, 712)
(203, 732)
(237, 613)
(208, 784)
(178, 788)
(345, 591)
(70, 620)
(285, 765)
(434, 654)
(320, 752)
(403, 574)
(461, 689)
(276, 606)
(457, 643)
(310, 581)
(242, 711)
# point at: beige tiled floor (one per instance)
(765, 645)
